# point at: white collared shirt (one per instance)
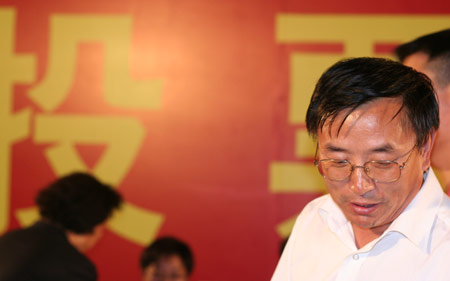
(416, 246)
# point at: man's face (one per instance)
(370, 133)
(170, 268)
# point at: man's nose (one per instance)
(360, 182)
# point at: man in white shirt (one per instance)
(430, 54)
(386, 216)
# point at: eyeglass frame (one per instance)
(366, 170)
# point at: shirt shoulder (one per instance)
(443, 215)
(42, 252)
(322, 202)
(315, 212)
(18, 248)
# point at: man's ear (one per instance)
(425, 150)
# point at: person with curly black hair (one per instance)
(74, 210)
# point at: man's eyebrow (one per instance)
(332, 148)
(383, 148)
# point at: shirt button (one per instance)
(356, 257)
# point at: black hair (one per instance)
(437, 46)
(434, 45)
(165, 247)
(351, 83)
(77, 202)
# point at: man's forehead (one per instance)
(379, 112)
(379, 128)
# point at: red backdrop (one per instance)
(205, 154)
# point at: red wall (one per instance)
(203, 155)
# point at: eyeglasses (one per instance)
(383, 171)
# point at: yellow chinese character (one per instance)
(114, 32)
(13, 126)
(122, 136)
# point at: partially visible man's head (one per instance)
(374, 120)
(167, 258)
(430, 54)
(78, 203)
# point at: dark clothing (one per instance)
(42, 253)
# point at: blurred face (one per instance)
(95, 236)
(86, 241)
(370, 133)
(169, 268)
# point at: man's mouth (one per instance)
(364, 205)
(363, 208)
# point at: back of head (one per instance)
(437, 47)
(351, 83)
(77, 202)
(165, 247)
(434, 44)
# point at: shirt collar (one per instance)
(336, 221)
(415, 222)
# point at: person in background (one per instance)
(167, 259)
(430, 54)
(74, 210)
(386, 216)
